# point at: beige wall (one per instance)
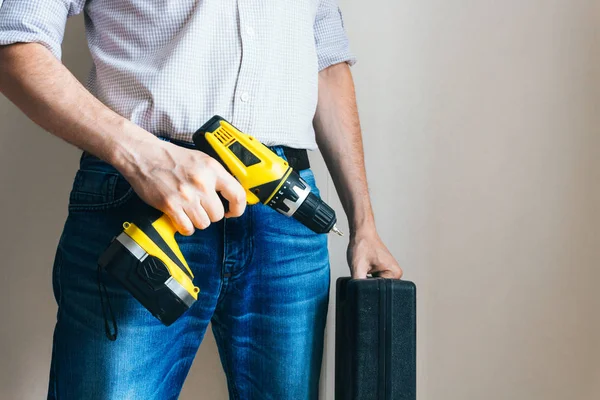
(482, 127)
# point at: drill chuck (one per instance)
(294, 198)
(316, 215)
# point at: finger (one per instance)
(388, 274)
(182, 222)
(360, 270)
(225, 202)
(197, 215)
(213, 206)
(234, 193)
(231, 190)
(393, 272)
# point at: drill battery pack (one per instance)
(147, 278)
(146, 260)
(375, 339)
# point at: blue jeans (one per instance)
(264, 281)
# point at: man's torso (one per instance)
(170, 66)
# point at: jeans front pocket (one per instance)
(98, 189)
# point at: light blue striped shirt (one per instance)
(169, 66)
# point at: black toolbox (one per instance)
(375, 339)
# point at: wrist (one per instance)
(126, 151)
(363, 228)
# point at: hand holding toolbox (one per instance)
(145, 257)
(375, 339)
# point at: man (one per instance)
(278, 70)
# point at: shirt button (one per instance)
(250, 31)
(245, 96)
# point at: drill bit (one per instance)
(336, 230)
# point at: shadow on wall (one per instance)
(36, 173)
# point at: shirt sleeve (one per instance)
(36, 21)
(330, 37)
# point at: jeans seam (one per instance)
(224, 285)
(102, 206)
(251, 229)
(249, 258)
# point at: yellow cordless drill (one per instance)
(145, 257)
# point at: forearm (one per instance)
(44, 89)
(180, 182)
(339, 138)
